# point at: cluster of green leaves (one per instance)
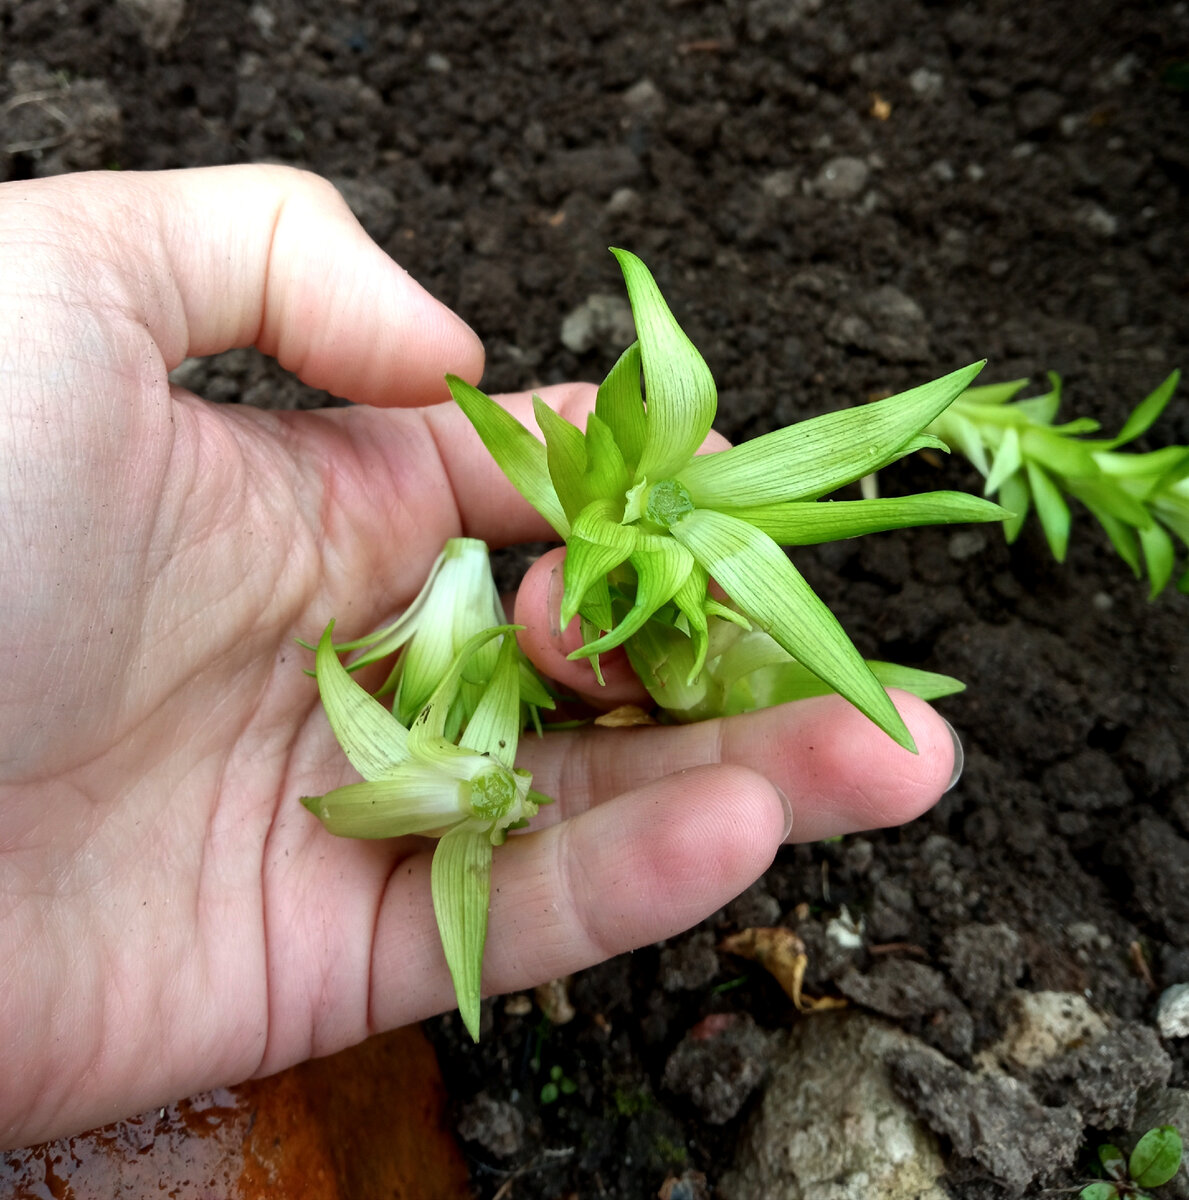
(441, 763)
(648, 521)
(1154, 1161)
(559, 1084)
(1141, 500)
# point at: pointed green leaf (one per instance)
(494, 729)
(928, 685)
(1176, 478)
(785, 682)
(565, 450)
(1042, 409)
(1099, 1191)
(1157, 1157)
(714, 609)
(373, 740)
(533, 691)
(1059, 455)
(590, 633)
(963, 433)
(520, 456)
(1155, 465)
(1007, 461)
(814, 457)
(759, 578)
(922, 441)
(606, 472)
(1078, 425)
(461, 601)
(1016, 497)
(430, 723)
(690, 599)
(1121, 534)
(460, 880)
(1105, 493)
(662, 566)
(1050, 508)
(992, 393)
(1147, 411)
(1159, 555)
(1173, 511)
(596, 605)
(678, 388)
(417, 797)
(810, 522)
(597, 544)
(620, 404)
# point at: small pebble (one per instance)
(842, 178)
(644, 98)
(1096, 219)
(966, 543)
(1172, 1013)
(926, 83)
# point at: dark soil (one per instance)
(1013, 188)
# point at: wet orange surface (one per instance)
(365, 1123)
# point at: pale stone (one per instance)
(830, 1125)
(1044, 1025)
(1172, 1013)
(600, 320)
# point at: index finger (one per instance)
(219, 257)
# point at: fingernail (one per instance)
(959, 757)
(557, 589)
(787, 804)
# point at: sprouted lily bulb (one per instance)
(458, 600)
(449, 772)
(648, 522)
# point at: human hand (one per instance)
(171, 918)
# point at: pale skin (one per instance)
(171, 918)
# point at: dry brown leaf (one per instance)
(782, 954)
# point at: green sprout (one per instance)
(648, 522)
(1141, 500)
(558, 1085)
(448, 772)
(1154, 1161)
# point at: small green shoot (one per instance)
(559, 1085)
(728, 985)
(1154, 1161)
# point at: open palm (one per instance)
(170, 917)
